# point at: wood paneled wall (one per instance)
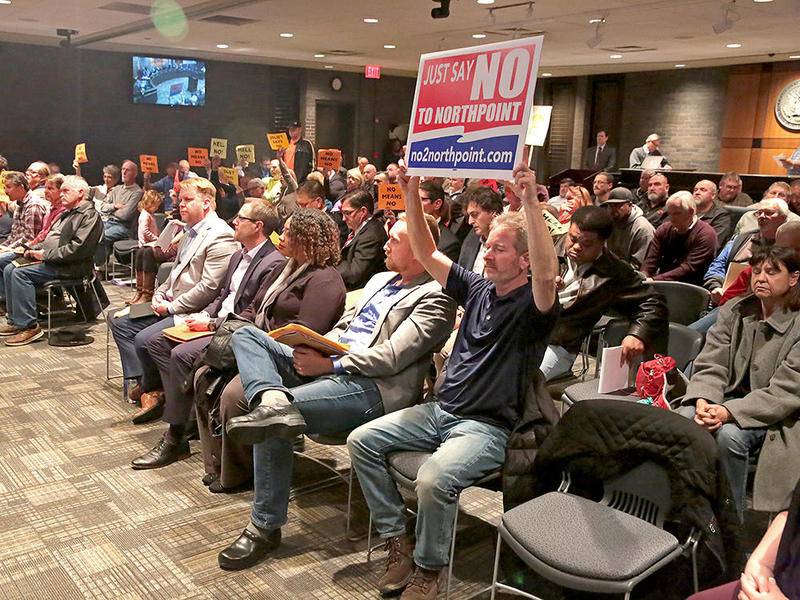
(751, 134)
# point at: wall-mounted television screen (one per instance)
(169, 81)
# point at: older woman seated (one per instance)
(745, 382)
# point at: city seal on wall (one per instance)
(787, 106)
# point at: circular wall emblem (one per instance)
(787, 107)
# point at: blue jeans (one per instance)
(737, 446)
(113, 231)
(556, 362)
(463, 450)
(6, 259)
(329, 404)
(21, 284)
(704, 323)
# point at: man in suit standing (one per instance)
(168, 364)
(432, 196)
(601, 157)
(362, 253)
(402, 317)
(193, 282)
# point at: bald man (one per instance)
(708, 210)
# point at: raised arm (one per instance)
(422, 244)
(541, 252)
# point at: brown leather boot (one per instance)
(135, 299)
(399, 565)
(148, 287)
(424, 585)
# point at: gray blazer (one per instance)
(403, 341)
(195, 279)
(771, 350)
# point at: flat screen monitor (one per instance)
(169, 81)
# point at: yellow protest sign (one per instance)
(80, 154)
(278, 141)
(329, 159)
(229, 175)
(219, 147)
(148, 163)
(390, 197)
(198, 157)
(246, 152)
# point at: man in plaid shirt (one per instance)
(31, 211)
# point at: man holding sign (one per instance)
(299, 155)
(471, 110)
(507, 319)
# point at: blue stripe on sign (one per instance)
(449, 153)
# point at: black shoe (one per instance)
(248, 549)
(209, 478)
(217, 488)
(266, 421)
(163, 454)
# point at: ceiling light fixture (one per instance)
(546, 74)
(478, 36)
(485, 1)
(597, 38)
(370, 20)
(5, 1)
(319, 55)
(615, 56)
(287, 35)
(729, 16)
(761, 1)
(328, 66)
(679, 66)
(222, 46)
(794, 56)
(389, 46)
(733, 45)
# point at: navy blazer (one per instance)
(469, 250)
(263, 262)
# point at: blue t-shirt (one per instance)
(499, 343)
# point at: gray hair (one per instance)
(112, 170)
(74, 182)
(778, 203)
(683, 200)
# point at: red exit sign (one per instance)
(372, 71)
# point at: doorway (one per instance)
(335, 128)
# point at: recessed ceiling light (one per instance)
(478, 36)
(370, 20)
(679, 66)
(733, 45)
(596, 20)
(9, 1)
(319, 55)
(328, 66)
(287, 35)
(762, 1)
(546, 74)
(222, 46)
(485, 1)
(794, 56)
(389, 46)
(615, 56)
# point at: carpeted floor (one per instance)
(77, 522)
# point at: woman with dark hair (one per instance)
(746, 378)
(306, 289)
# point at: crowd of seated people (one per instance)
(488, 280)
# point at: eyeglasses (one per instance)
(347, 213)
(241, 218)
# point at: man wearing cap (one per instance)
(632, 232)
(299, 155)
(650, 148)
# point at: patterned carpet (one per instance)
(77, 522)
